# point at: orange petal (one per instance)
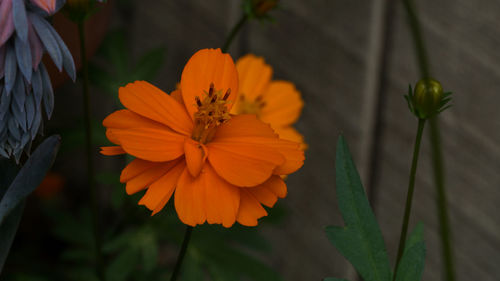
(143, 180)
(190, 199)
(196, 154)
(245, 125)
(124, 119)
(112, 150)
(291, 134)
(222, 199)
(203, 68)
(149, 101)
(294, 157)
(268, 192)
(162, 189)
(250, 209)
(150, 144)
(177, 95)
(135, 168)
(244, 164)
(283, 104)
(254, 76)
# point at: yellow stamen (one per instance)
(212, 112)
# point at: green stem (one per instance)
(417, 39)
(182, 253)
(88, 150)
(444, 223)
(233, 33)
(409, 196)
(437, 158)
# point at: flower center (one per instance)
(212, 112)
(250, 107)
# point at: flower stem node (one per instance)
(427, 99)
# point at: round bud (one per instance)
(427, 97)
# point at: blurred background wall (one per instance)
(353, 61)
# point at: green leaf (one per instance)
(416, 236)
(9, 228)
(412, 263)
(8, 231)
(30, 176)
(334, 279)
(360, 241)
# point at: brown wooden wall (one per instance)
(353, 61)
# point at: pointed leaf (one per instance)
(30, 175)
(8, 231)
(360, 241)
(9, 228)
(416, 236)
(412, 263)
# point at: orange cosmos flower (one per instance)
(277, 103)
(222, 168)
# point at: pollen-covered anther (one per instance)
(212, 112)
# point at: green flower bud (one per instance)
(427, 98)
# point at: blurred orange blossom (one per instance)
(222, 167)
(277, 103)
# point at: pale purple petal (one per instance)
(68, 63)
(48, 93)
(20, 19)
(4, 105)
(42, 28)
(6, 21)
(10, 68)
(23, 54)
(35, 46)
(36, 85)
(29, 107)
(2, 61)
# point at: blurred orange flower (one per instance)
(51, 185)
(277, 103)
(221, 167)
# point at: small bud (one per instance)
(264, 6)
(427, 99)
(260, 8)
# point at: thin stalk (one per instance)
(435, 140)
(182, 253)
(444, 223)
(409, 196)
(233, 33)
(88, 150)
